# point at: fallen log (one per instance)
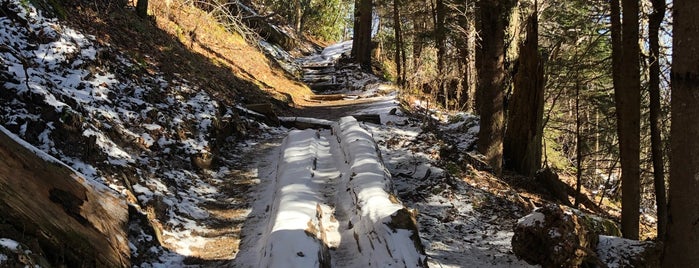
(328, 97)
(77, 222)
(376, 216)
(261, 111)
(305, 123)
(555, 236)
(295, 234)
(561, 190)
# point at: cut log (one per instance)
(295, 235)
(328, 97)
(556, 237)
(376, 216)
(305, 123)
(78, 222)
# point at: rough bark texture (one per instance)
(522, 146)
(491, 78)
(627, 95)
(654, 21)
(142, 8)
(556, 237)
(681, 248)
(75, 223)
(361, 44)
(440, 40)
(399, 53)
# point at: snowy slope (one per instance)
(123, 124)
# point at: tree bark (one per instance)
(681, 248)
(361, 49)
(142, 8)
(399, 53)
(654, 21)
(491, 79)
(627, 95)
(523, 138)
(440, 40)
(76, 223)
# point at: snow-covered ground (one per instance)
(81, 103)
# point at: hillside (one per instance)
(142, 107)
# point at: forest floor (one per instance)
(463, 221)
(112, 103)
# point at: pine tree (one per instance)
(681, 244)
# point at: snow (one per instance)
(613, 250)
(9, 244)
(533, 219)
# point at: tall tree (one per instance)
(492, 22)
(681, 248)
(627, 96)
(524, 127)
(440, 40)
(142, 8)
(400, 51)
(361, 44)
(654, 21)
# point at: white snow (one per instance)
(613, 250)
(533, 219)
(9, 244)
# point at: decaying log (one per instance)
(555, 236)
(78, 223)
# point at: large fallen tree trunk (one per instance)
(295, 235)
(555, 236)
(77, 222)
(384, 230)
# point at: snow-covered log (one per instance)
(384, 230)
(295, 232)
(553, 236)
(77, 222)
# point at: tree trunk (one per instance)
(491, 79)
(681, 248)
(142, 8)
(440, 40)
(627, 95)
(654, 21)
(400, 53)
(298, 13)
(361, 49)
(578, 148)
(77, 223)
(523, 138)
